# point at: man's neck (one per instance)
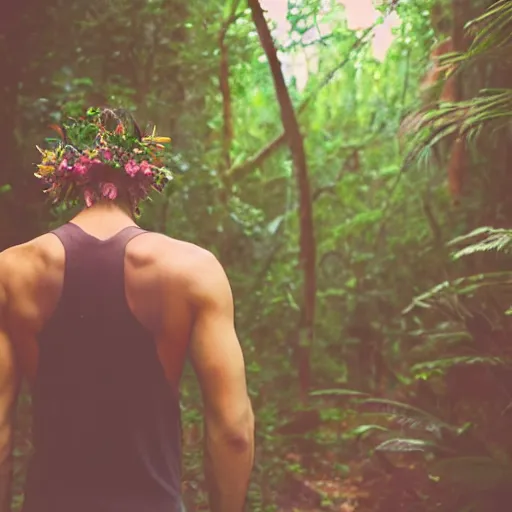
(106, 216)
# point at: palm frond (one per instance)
(410, 445)
(463, 119)
(442, 295)
(407, 415)
(492, 29)
(440, 366)
(492, 41)
(346, 393)
(496, 240)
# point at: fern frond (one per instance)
(362, 430)
(461, 286)
(483, 230)
(492, 243)
(496, 240)
(492, 41)
(465, 119)
(430, 345)
(410, 445)
(492, 29)
(407, 415)
(429, 368)
(347, 393)
(443, 337)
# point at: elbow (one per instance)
(235, 433)
(241, 436)
(239, 442)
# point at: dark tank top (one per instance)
(106, 422)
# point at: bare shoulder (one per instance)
(14, 260)
(24, 260)
(198, 269)
(172, 253)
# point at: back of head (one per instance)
(103, 156)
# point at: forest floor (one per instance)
(325, 492)
(366, 488)
(329, 495)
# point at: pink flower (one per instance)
(80, 168)
(132, 168)
(109, 190)
(145, 167)
(63, 165)
(89, 198)
(107, 154)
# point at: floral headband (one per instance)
(86, 143)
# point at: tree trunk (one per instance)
(225, 90)
(307, 236)
(17, 221)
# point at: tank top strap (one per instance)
(94, 266)
(71, 234)
(123, 237)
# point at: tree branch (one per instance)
(275, 144)
(256, 160)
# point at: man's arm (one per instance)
(8, 392)
(218, 361)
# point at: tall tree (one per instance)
(17, 23)
(307, 234)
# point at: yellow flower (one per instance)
(158, 140)
(44, 170)
(154, 138)
(48, 156)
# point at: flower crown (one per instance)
(86, 144)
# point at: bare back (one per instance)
(154, 264)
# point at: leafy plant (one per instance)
(467, 456)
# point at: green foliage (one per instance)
(489, 108)
(476, 464)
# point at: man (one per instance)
(99, 316)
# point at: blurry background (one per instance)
(371, 392)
